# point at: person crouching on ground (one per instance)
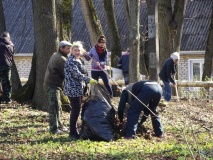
(99, 62)
(53, 82)
(167, 72)
(75, 80)
(148, 92)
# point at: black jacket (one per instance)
(168, 69)
(6, 52)
(124, 63)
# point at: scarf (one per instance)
(101, 52)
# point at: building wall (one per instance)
(23, 64)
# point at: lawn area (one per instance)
(24, 135)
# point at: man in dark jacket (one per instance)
(124, 65)
(53, 83)
(6, 58)
(167, 72)
(149, 93)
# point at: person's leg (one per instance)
(167, 91)
(53, 109)
(146, 113)
(126, 78)
(135, 110)
(76, 106)
(95, 75)
(156, 122)
(59, 109)
(106, 82)
(6, 86)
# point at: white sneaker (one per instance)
(58, 131)
(64, 129)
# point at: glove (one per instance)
(92, 81)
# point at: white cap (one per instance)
(64, 43)
(175, 55)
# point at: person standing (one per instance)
(149, 93)
(99, 62)
(53, 83)
(124, 65)
(167, 73)
(75, 81)
(6, 58)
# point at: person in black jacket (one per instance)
(149, 93)
(6, 58)
(167, 72)
(124, 65)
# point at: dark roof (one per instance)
(19, 22)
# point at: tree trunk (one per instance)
(207, 71)
(15, 79)
(133, 10)
(91, 19)
(44, 15)
(170, 27)
(115, 45)
(64, 9)
(151, 45)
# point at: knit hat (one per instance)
(64, 43)
(175, 55)
(101, 39)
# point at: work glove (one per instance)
(92, 81)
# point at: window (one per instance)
(195, 69)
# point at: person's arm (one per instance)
(170, 68)
(88, 56)
(120, 63)
(59, 66)
(122, 104)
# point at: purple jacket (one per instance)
(94, 55)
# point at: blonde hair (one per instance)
(79, 45)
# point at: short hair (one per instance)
(5, 34)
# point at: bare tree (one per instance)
(91, 19)
(44, 15)
(132, 8)
(115, 45)
(15, 79)
(64, 9)
(207, 71)
(170, 27)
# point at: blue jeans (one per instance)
(167, 91)
(105, 79)
(149, 94)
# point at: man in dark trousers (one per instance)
(149, 93)
(167, 72)
(53, 83)
(6, 58)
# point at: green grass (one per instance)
(24, 135)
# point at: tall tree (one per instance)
(207, 71)
(44, 15)
(132, 8)
(115, 44)
(64, 9)
(15, 79)
(91, 19)
(170, 27)
(152, 48)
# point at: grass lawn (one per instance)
(24, 135)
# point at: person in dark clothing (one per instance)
(6, 58)
(100, 60)
(167, 72)
(76, 78)
(148, 92)
(124, 65)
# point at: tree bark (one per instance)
(115, 45)
(91, 19)
(44, 15)
(170, 27)
(207, 71)
(151, 44)
(64, 9)
(15, 79)
(133, 10)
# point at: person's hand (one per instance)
(98, 63)
(92, 81)
(174, 84)
(84, 53)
